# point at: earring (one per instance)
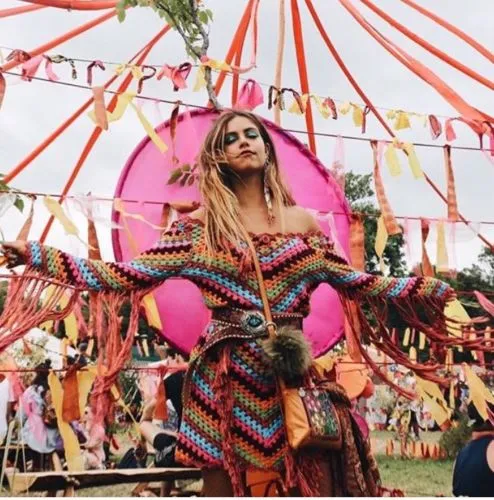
(267, 192)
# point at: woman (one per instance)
(231, 418)
(37, 431)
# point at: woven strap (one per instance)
(271, 327)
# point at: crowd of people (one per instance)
(26, 405)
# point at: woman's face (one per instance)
(244, 147)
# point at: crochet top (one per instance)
(293, 265)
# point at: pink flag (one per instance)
(450, 132)
(250, 96)
(30, 67)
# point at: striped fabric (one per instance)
(232, 408)
(293, 266)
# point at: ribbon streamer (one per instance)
(144, 77)
(118, 205)
(329, 103)
(453, 214)
(442, 263)
(95, 64)
(435, 127)
(380, 244)
(426, 263)
(413, 160)
(250, 96)
(100, 115)
(357, 242)
(392, 160)
(277, 99)
(200, 82)
(178, 74)
(388, 217)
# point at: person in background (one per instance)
(38, 427)
(6, 406)
(473, 474)
(163, 439)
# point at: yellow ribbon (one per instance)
(155, 138)
(413, 160)
(432, 396)
(58, 212)
(119, 207)
(135, 70)
(358, 115)
(217, 65)
(345, 107)
(392, 160)
(123, 102)
(200, 82)
(479, 394)
(381, 240)
(390, 115)
(402, 120)
(295, 108)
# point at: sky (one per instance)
(31, 111)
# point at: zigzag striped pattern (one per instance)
(293, 265)
(256, 425)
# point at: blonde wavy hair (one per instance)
(223, 227)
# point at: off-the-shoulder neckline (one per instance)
(265, 235)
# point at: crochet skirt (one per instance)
(232, 420)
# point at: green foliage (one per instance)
(188, 17)
(360, 195)
(454, 439)
(5, 188)
(184, 175)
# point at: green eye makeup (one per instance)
(230, 139)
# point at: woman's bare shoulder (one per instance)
(300, 219)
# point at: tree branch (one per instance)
(193, 12)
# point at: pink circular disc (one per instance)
(145, 177)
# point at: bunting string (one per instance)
(396, 115)
(78, 198)
(486, 150)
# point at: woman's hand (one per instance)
(15, 252)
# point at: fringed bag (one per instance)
(311, 419)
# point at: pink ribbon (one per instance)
(177, 74)
(450, 133)
(31, 66)
(250, 96)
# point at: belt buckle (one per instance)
(253, 322)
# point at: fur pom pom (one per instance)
(290, 354)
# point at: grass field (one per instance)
(417, 478)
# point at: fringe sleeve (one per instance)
(164, 260)
(52, 278)
(368, 300)
(342, 276)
